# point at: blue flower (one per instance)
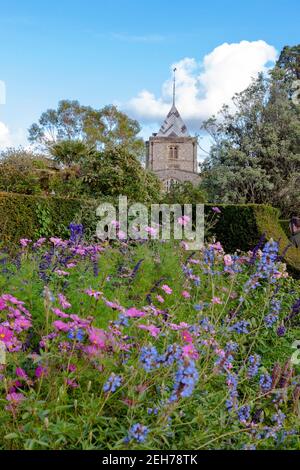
(113, 383)
(254, 363)
(240, 327)
(244, 414)
(265, 382)
(76, 334)
(137, 432)
(186, 378)
(149, 358)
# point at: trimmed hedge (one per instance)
(24, 216)
(239, 226)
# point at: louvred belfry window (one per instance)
(173, 152)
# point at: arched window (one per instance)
(173, 152)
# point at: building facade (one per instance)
(172, 153)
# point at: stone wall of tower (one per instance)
(158, 154)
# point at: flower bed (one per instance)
(143, 345)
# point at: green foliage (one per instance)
(117, 172)
(256, 153)
(103, 128)
(184, 193)
(20, 170)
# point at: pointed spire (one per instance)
(174, 86)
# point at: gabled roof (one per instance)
(173, 125)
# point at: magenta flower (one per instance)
(216, 210)
(40, 372)
(167, 289)
(21, 373)
(59, 313)
(186, 336)
(97, 337)
(61, 326)
(6, 335)
(189, 351)
(134, 313)
(216, 301)
(160, 299)
(2, 304)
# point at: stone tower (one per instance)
(172, 152)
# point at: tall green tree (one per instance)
(256, 152)
(103, 128)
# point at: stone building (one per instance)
(172, 153)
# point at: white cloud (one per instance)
(10, 138)
(203, 87)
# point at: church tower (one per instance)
(172, 152)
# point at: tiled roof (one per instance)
(173, 125)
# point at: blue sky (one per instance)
(102, 52)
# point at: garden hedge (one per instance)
(238, 227)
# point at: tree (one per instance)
(256, 152)
(103, 128)
(115, 172)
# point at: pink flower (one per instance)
(61, 326)
(152, 231)
(216, 300)
(121, 235)
(6, 335)
(93, 293)
(153, 330)
(97, 337)
(2, 304)
(15, 398)
(60, 272)
(160, 299)
(59, 313)
(216, 210)
(167, 289)
(186, 336)
(25, 242)
(72, 368)
(183, 220)
(63, 301)
(190, 351)
(185, 294)
(176, 327)
(217, 246)
(40, 242)
(228, 261)
(134, 313)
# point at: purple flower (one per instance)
(216, 210)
